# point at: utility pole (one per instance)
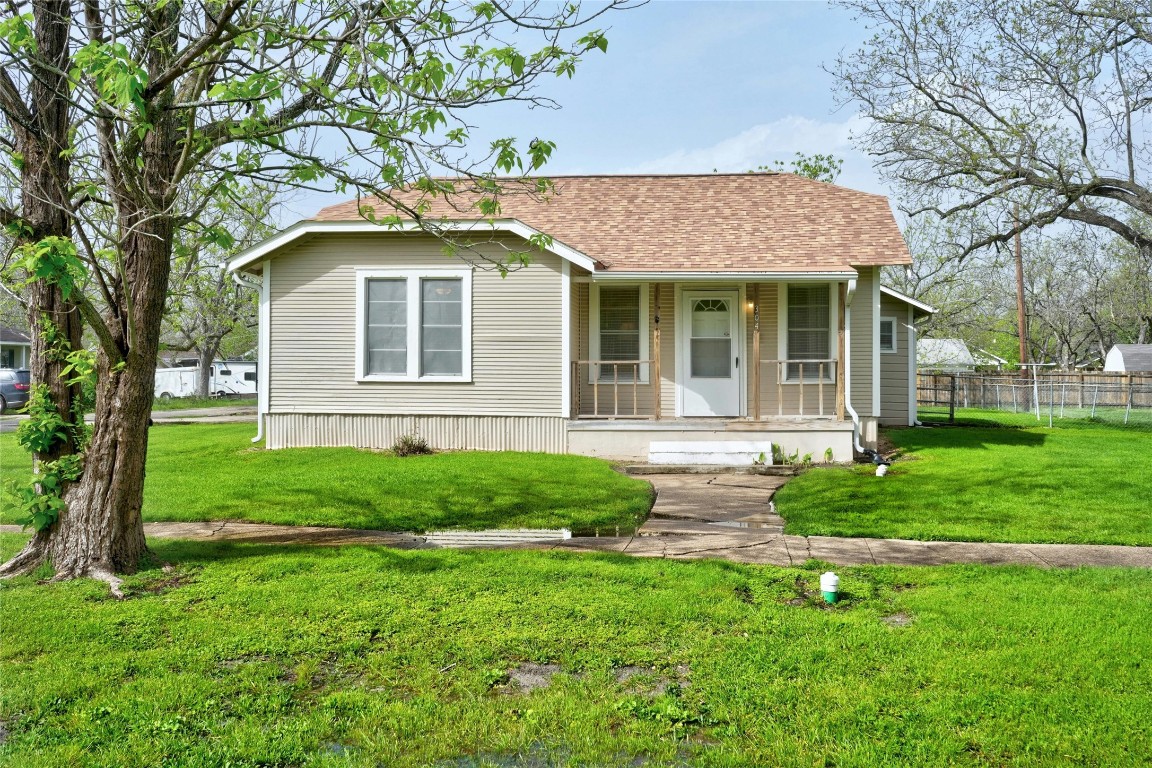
(1021, 317)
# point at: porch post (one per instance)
(756, 351)
(840, 351)
(656, 352)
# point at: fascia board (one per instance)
(908, 300)
(686, 277)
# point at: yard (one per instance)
(1079, 483)
(250, 655)
(212, 472)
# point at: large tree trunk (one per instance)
(45, 174)
(101, 532)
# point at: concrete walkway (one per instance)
(696, 516)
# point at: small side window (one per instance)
(887, 334)
(249, 375)
(225, 372)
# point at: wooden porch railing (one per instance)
(616, 389)
(826, 380)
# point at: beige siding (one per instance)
(894, 366)
(482, 433)
(784, 399)
(667, 311)
(862, 341)
(627, 399)
(516, 333)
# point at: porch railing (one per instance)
(616, 389)
(803, 378)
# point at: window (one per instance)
(887, 334)
(225, 372)
(414, 325)
(619, 331)
(249, 375)
(808, 334)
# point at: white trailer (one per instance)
(225, 378)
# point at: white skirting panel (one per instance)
(544, 434)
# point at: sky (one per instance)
(689, 86)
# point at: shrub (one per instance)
(411, 445)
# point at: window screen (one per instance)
(387, 336)
(809, 329)
(619, 330)
(441, 327)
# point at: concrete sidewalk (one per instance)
(697, 515)
(737, 545)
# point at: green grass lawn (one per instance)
(1079, 482)
(250, 655)
(212, 472)
(188, 403)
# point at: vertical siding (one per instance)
(379, 431)
(862, 341)
(516, 332)
(894, 366)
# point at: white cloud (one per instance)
(779, 140)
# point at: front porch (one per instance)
(678, 364)
(632, 439)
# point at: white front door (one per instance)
(710, 351)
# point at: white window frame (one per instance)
(782, 335)
(594, 329)
(895, 332)
(413, 278)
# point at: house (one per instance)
(661, 309)
(15, 348)
(1129, 358)
(944, 356)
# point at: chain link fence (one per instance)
(1047, 398)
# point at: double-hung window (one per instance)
(619, 332)
(887, 334)
(414, 325)
(808, 330)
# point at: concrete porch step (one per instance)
(743, 453)
(709, 469)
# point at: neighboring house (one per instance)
(1129, 358)
(15, 348)
(665, 308)
(944, 355)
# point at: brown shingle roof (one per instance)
(762, 222)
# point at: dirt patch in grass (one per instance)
(898, 620)
(528, 677)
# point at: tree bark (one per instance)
(45, 172)
(101, 532)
